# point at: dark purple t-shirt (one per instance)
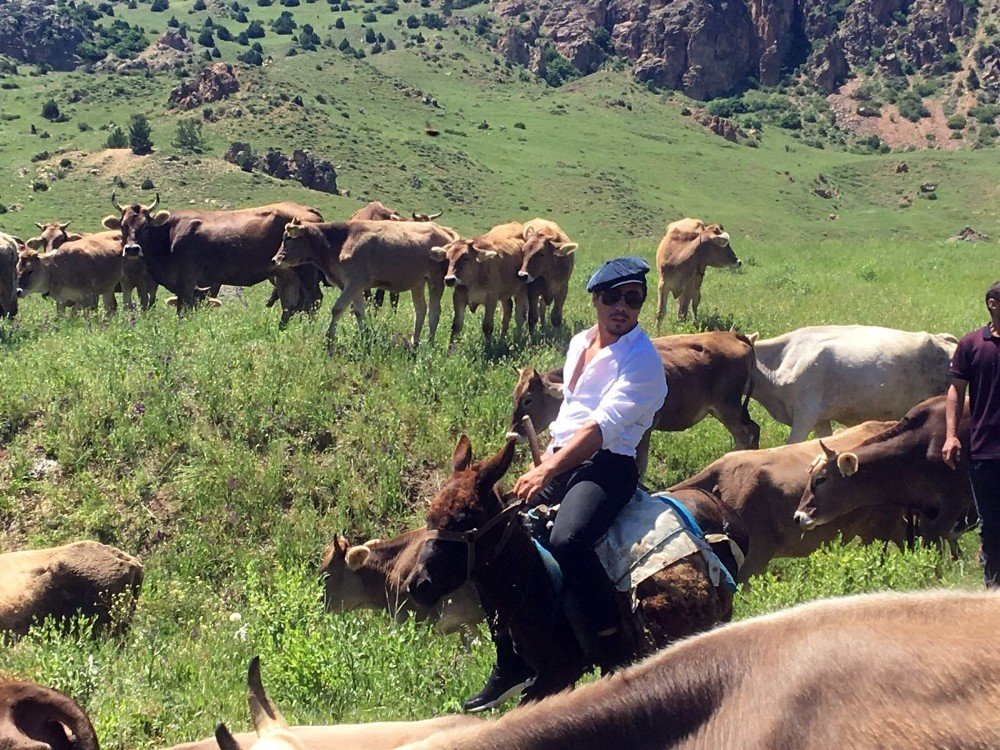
(977, 360)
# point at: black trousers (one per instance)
(591, 495)
(985, 477)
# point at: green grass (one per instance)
(226, 453)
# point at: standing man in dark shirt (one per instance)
(976, 366)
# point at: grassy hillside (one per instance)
(226, 453)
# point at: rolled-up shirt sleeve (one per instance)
(633, 399)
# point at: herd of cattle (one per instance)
(879, 478)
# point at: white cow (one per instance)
(811, 376)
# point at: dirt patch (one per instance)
(890, 126)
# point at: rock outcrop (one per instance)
(303, 167)
(212, 83)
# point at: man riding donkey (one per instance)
(615, 386)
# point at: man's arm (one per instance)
(585, 442)
(951, 451)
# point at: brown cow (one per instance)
(185, 250)
(59, 582)
(764, 487)
(10, 247)
(377, 211)
(33, 717)
(547, 266)
(899, 469)
(359, 255)
(876, 672)
(373, 575)
(686, 250)
(77, 273)
(484, 271)
(135, 275)
(707, 373)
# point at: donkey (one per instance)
(475, 537)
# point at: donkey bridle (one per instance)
(471, 537)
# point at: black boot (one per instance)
(506, 681)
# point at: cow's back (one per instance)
(8, 274)
(676, 246)
(545, 228)
(91, 265)
(507, 241)
(394, 254)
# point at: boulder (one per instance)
(212, 83)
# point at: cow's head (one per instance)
(463, 259)
(716, 248)
(828, 494)
(135, 223)
(468, 501)
(539, 251)
(296, 248)
(537, 397)
(425, 217)
(344, 585)
(273, 732)
(53, 236)
(32, 273)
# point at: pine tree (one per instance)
(140, 135)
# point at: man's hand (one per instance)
(951, 451)
(532, 482)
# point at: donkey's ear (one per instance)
(490, 472)
(462, 457)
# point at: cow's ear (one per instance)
(492, 471)
(528, 233)
(462, 457)
(160, 218)
(115, 222)
(357, 556)
(73, 237)
(33, 243)
(722, 240)
(438, 253)
(752, 337)
(566, 248)
(293, 230)
(847, 463)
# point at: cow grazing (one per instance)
(10, 247)
(77, 274)
(546, 268)
(484, 271)
(373, 575)
(272, 732)
(811, 376)
(185, 250)
(135, 275)
(686, 250)
(360, 255)
(764, 487)
(876, 672)
(707, 373)
(60, 582)
(898, 469)
(33, 717)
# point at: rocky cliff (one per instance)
(709, 48)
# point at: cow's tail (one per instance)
(748, 388)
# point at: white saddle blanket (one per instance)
(646, 537)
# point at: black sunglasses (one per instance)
(633, 298)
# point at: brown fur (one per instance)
(9, 248)
(686, 250)
(33, 717)
(763, 487)
(876, 672)
(898, 469)
(547, 267)
(77, 273)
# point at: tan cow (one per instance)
(10, 247)
(135, 275)
(77, 273)
(707, 373)
(484, 271)
(390, 255)
(764, 488)
(60, 582)
(378, 211)
(272, 732)
(33, 717)
(885, 671)
(373, 575)
(546, 268)
(686, 250)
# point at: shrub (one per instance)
(432, 21)
(956, 122)
(159, 6)
(389, 44)
(116, 138)
(173, 23)
(206, 39)
(240, 17)
(188, 137)
(50, 111)
(558, 70)
(146, 184)
(199, 5)
(242, 39)
(255, 30)
(339, 23)
(284, 24)
(911, 106)
(369, 17)
(251, 57)
(370, 35)
(412, 22)
(264, 3)
(140, 135)
(223, 33)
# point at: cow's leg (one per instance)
(435, 290)
(736, 419)
(352, 294)
(419, 311)
(642, 454)
(489, 312)
(534, 303)
(661, 301)
(460, 300)
(683, 302)
(803, 421)
(110, 303)
(823, 428)
(127, 294)
(557, 307)
(394, 300)
(520, 308)
(506, 307)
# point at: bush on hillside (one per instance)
(251, 57)
(116, 138)
(242, 39)
(558, 70)
(432, 21)
(370, 35)
(173, 23)
(255, 30)
(339, 23)
(140, 135)
(911, 106)
(121, 39)
(412, 22)
(284, 24)
(956, 122)
(50, 111)
(206, 39)
(188, 137)
(159, 6)
(241, 17)
(223, 34)
(199, 5)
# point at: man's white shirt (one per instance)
(621, 389)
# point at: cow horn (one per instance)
(830, 454)
(115, 203)
(155, 202)
(265, 715)
(61, 709)
(40, 225)
(64, 225)
(431, 217)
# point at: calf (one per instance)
(484, 271)
(546, 268)
(899, 469)
(360, 255)
(76, 274)
(811, 376)
(373, 575)
(707, 373)
(763, 487)
(10, 246)
(686, 250)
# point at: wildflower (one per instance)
(140, 409)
